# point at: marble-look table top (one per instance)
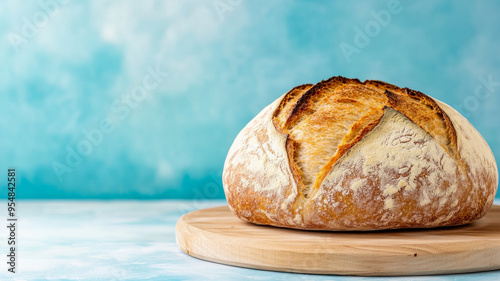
(129, 240)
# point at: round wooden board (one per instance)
(215, 234)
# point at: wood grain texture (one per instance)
(216, 235)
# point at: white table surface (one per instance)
(129, 240)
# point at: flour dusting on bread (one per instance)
(350, 155)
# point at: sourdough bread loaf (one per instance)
(351, 155)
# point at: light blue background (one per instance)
(66, 65)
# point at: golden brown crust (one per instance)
(304, 103)
(300, 105)
(425, 112)
(282, 113)
(353, 155)
(358, 131)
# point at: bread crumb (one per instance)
(404, 169)
(388, 203)
(390, 190)
(283, 206)
(357, 184)
(402, 183)
(425, 198)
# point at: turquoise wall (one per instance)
(142, 99)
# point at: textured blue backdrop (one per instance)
(142, 99)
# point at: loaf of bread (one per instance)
(348, 155)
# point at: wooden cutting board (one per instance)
(215, 234)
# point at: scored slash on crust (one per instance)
(348, 109)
